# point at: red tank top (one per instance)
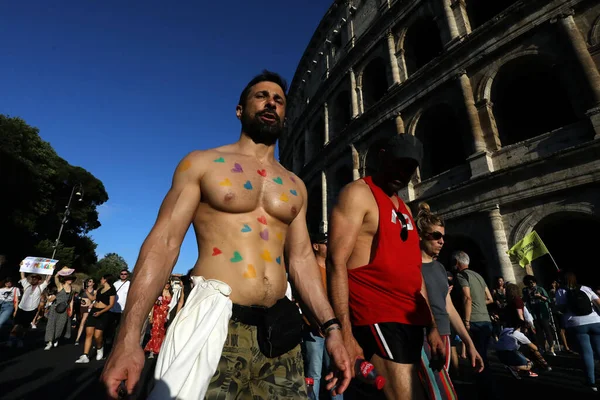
(388, 289)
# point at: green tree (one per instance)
(111, 263)
(36, 184)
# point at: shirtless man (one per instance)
(246, 210)
(375, 278)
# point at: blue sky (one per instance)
(126, 88)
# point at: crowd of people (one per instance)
(269, 306)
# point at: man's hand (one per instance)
(475, 358)
(342, 367)
(125, 363)
(354, 350)
(438, 350)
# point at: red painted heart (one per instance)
(262, 172)
(216, 251)
(262, 220)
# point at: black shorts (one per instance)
(25, 318)
(392, 341)
(100, 322)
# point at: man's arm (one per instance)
(426, 297)
(438, 350)
(346, 220)
(467, 300)
(306, 277)
(468, 303)
(303, 269)
(161, 248)
(488, 296)
(155, 262)
(459, 327)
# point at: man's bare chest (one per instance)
(241, 186)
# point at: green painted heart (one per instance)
(237, 257)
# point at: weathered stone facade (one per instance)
(505, 96)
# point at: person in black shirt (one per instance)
(99, 318)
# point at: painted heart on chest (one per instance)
(237, 257)
(246, 228)
(237, 168)
(264, 235)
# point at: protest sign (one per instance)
(38, 265)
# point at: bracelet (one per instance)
(332, 321)
(332, 328)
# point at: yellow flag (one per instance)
(528, 249)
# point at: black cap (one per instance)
(405, 145)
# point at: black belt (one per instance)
(251, 315)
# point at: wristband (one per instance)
(332, 328)
(333, 321)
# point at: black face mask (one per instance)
(260, 131)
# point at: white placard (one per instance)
(38, 265)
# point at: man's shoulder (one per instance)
(358, 188)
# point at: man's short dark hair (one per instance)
(265, 76)
(124, 270)
(529, 279)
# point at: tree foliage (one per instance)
(36, 184)
(111, 263)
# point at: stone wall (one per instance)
(459, 100)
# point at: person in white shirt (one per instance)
(9, 298)
(582, 322)
(122, 288)
(508, 350)
(33, 286)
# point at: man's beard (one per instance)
(260, 131)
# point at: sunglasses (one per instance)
(404, 230)
(435, 235)
(124, 274)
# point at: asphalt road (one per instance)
(32, 373)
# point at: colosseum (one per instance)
(504, 95)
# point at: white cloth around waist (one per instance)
(191, 350)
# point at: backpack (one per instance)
(578, 302)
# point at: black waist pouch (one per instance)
(281, 329)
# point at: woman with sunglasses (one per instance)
(431, 236)
(86, 305)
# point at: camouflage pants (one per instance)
(245, 373)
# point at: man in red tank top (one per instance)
(375, 280)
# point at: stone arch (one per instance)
(460, 242)
(594, 36)
(481, 11)
(484, 88)
(525, 226)
(340, 113)
(373, 81)
(421, 43)
(562, 233)
(439, 129)
(528, 96)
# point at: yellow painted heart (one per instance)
(284, 197)
(266, 256)
(279, 236)
(250, 272)
(226, 182)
